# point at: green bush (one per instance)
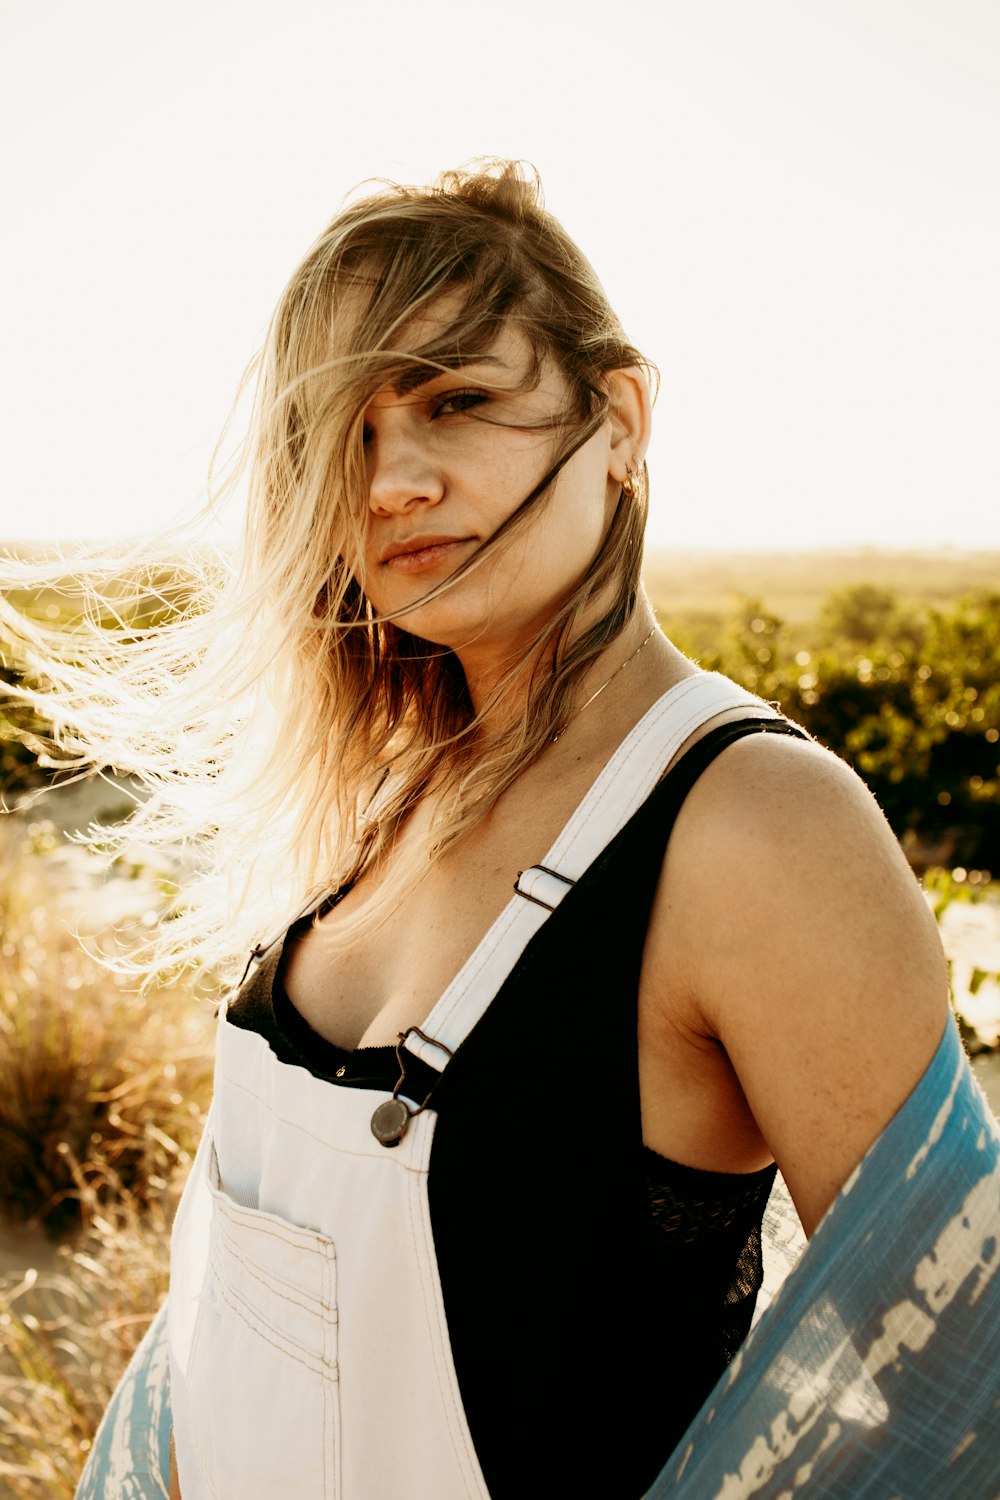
(911, 701)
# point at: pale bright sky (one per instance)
(794, 205)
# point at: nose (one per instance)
(401, 473)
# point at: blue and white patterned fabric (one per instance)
(874, 1374)
(130, 1459)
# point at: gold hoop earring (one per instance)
(630, 489)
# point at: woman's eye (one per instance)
(458, 401)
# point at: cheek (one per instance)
(544, 564)
(580, 518)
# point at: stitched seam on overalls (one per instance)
(374, 1155)
(246, 1217)
(477, 960)
(308, 1242)
(593, 799)
(197, 1336)
(694, 719)
(308, 1302)
(461, 1438)
(605, 784)
(252, 1218)
(316, 1365)
(590, 804)
(203, 1468)
(331, 1445)
(254, 1314)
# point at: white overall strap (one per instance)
(619, 791)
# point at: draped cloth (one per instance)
(130, 1459)
(875, 1371)
(872, 1374)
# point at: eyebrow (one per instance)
(418, 376)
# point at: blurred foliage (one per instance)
(21, 741)
(909, 696)
(142, 600)
(966, 887)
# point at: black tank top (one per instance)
(594, 1290)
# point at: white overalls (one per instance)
(309, 1350)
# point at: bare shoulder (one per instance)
(799, 939)
(786, 827)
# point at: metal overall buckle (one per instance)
(392, 1116)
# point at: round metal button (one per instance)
(389, 1122)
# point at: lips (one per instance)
(423, 550)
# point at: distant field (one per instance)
(700, 584)
(692, 584)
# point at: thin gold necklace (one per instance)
(586, 704)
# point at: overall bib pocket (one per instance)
(263, 1404)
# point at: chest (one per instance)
(364, 992)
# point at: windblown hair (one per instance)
(279, 728)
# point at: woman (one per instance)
(713, 958)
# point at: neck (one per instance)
(486, 671)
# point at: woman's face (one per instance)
(448, 461)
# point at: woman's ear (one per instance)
(631, 419)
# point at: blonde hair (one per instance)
(280, 729)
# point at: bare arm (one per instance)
(791, 946)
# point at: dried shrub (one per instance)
(90, 1070)
(67, 1336)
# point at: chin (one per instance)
(455, 624)
(445, 637)
(435, 625)
(448, 621)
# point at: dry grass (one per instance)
(90, 1071)
(103, 1095)
(67, 1336)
